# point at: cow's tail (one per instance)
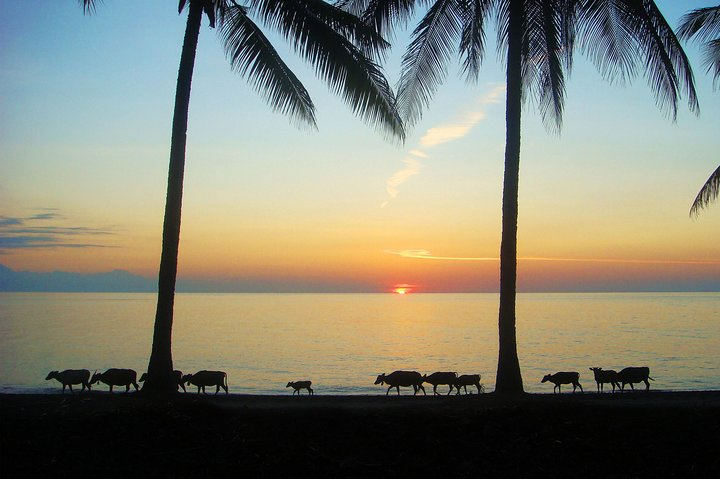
(651, 379)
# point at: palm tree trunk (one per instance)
(509, 379)
(159, 375)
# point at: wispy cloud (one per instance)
(425, 254)
(22, 232)
(443, 133)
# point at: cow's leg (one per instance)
(311, 391)
(388, 391)
(632, 387)
(111, 386)
(435, 393)
(647, 384)
(450, 390)
(70, 388)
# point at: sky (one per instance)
(85, 111)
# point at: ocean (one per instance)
(343, 341)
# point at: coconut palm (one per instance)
(704, 25)
(343, 51)
(536, 39)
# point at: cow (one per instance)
(298, 385)
(177, 375)
(402, 378)
(437, 379)
(70, 377)
(604, 376)
(207, 378)
(634, 375)
(465, 380)
(117, 377)
(564, 378)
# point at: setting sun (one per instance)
(403, 289)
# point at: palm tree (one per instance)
(536, 39)
(336, 43)
(704, 25)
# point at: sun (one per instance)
(403, 289)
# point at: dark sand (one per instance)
(656, 434)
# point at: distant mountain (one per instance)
(59, 281)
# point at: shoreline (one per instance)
(653, 434)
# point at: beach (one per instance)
(640, 434)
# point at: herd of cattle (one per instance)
(396, 379)
(618, 380)
(128, 377)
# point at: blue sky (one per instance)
(85, 111)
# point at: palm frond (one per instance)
(605, 40)
(253, 56)
(89, 5)
(356, 7)
(337, 61)
(711, 54)
(350, 26)
(424, 64)
(545, 58)
(704, 25)
(708, 193)
(386, 15)
(472, 38)
(645, 31)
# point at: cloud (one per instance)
(439, 135)
(412, 167)
(5, 221)
(20, 233)
(454, 131)
(425, 254)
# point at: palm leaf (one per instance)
(89, 5)
(545, 59)
(424, 64)
(386, 15)
(708, 193)
(704, 25)
(336, 60)
(605, 41)
(472, 38)
(641, 28)
(350, 26)
(253, 56)
(668, 68)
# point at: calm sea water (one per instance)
(342, 342)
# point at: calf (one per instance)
(402, 378)
(177, 376)
(437, 379)
(465, 380)
(564, 378)
(298, 385)
(634, 375)
(605, 376)
(117, 377)
(207, 378)
(70, 377)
